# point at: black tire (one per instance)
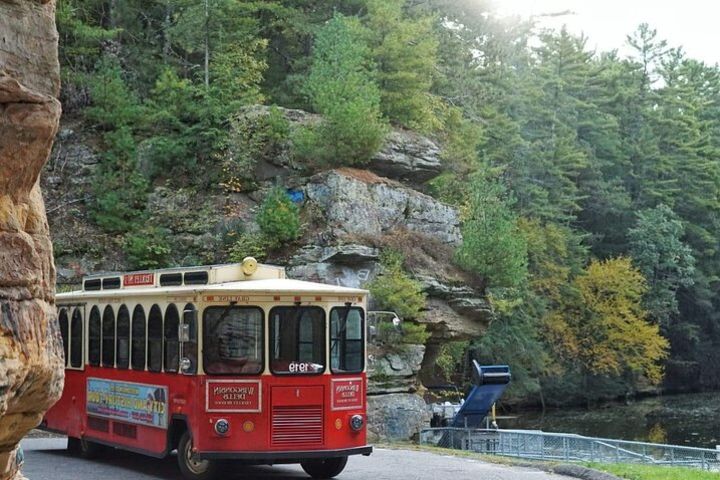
(87, 449)
(193, 469)
(73, 445)
(325, 468)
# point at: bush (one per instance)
(394, 290)
(278, 218)
(148, 248)
(248, 245)
(120, 190)
(407, 334)
(450, 356)
(252, 137)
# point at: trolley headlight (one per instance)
(222, 427)
(357, 422)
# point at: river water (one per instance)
(691, 420)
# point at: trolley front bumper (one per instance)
(269, 458)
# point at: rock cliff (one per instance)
(31, 363)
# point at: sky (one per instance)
(692, 24)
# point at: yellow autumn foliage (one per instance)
(604, 329)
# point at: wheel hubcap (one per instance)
(194, 464)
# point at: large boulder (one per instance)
(409, 157)
(358, 202)
(397, 416)
(31, 359)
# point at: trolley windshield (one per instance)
(297, 340)
(233, 340)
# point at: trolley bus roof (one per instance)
(268, 286)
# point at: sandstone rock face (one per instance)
(31, 363)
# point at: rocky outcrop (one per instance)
(358, 202)
(31, 363)
(404, 155)
(397, 416)
(408, 157)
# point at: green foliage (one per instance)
(395, 338)
(404, 49)
(450, 356)
(114, 105)
(278, 218)
(340, 86)
(663, 258)
(492, 246)
(394, 290)
(253, 136)
(653, 472)
(147, 248)
(120, 190)
(248, 245)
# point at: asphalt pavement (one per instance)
(47, 459)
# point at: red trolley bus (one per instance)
(226, 362)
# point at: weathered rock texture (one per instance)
(405, 155)
(31, 364)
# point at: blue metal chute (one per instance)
(490, 383)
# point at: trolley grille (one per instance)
(297, 426)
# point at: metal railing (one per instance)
(537, 445)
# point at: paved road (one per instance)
(46, 459)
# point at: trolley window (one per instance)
(233, 340)
(346, 340)
(108, 337)
(297, 339)
(76, 339)
(155, 338)
(123, 337)
(64, 330)
(138, 338)
(94, 336)
(172, 341)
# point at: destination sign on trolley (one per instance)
(347, 393)
(233, 396)
(226, 298)
(138, 279)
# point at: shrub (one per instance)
(450, 356)
(248, 245)
(120, 190)
(394, 290)
(407, 334)
(148, 248)
(252, 137)
(278, 218)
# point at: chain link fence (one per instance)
(537, 445)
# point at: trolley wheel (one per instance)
(88, 449)
(73, 445)
(191, 467)
(326, 468)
